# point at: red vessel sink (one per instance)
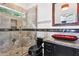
(64, 37)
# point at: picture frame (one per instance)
(71, 15)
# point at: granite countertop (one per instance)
(73, 44)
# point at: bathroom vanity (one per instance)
(53, 47)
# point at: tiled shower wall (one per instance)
(17, 42)
(31, 16)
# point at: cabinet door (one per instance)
(63, 51)
(48, 49)
(76, 53)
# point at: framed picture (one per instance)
(65, 14)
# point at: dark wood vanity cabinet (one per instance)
(51, 49)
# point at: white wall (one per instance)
(44, 15)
